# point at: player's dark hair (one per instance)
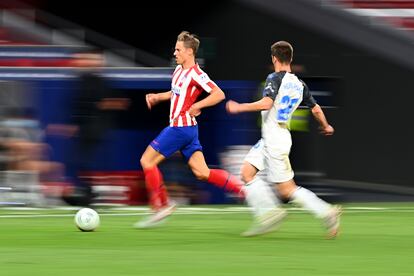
(283, 51)
(190, 41)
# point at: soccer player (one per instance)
(188, 81)
(282, 94)
(93, 110)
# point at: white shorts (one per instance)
(256, 156)
(274, 160)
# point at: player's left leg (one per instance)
(280, 172)
(217, 177)
(192, 152)
(310, 201)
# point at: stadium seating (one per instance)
(396, 13)
(10, 36)
(21, 50)
(35, 55)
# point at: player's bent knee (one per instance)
(203, 176)
(145, 163)
(246, 178)
(285, 192)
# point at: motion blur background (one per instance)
(357, 58)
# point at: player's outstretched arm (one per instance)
(216, 96)
(234, 107)
(153, 99)
(324, 127)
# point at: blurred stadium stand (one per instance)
(397, 13)
(339, 20)
(36, 31)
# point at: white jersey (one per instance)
(271, 153)
(287, 91)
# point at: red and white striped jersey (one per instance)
(186, 86)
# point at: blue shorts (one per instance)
(172, 139)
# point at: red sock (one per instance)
(225, 180)
(163, 191)
(155, 187)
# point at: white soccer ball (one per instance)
(87, 219)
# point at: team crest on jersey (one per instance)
(176, 90)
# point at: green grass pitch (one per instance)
(207, 241)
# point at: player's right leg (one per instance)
(256, 187)
(260, 196)
(153, 177)
(267, 212)
(157, 218)
(166, 143)
(157, 194)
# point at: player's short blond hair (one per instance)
(190, 41)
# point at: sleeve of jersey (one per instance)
(271, 88)
(308, 99)
(205, 82)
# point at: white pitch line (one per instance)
(213, 211)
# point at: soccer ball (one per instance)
(87, 219)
